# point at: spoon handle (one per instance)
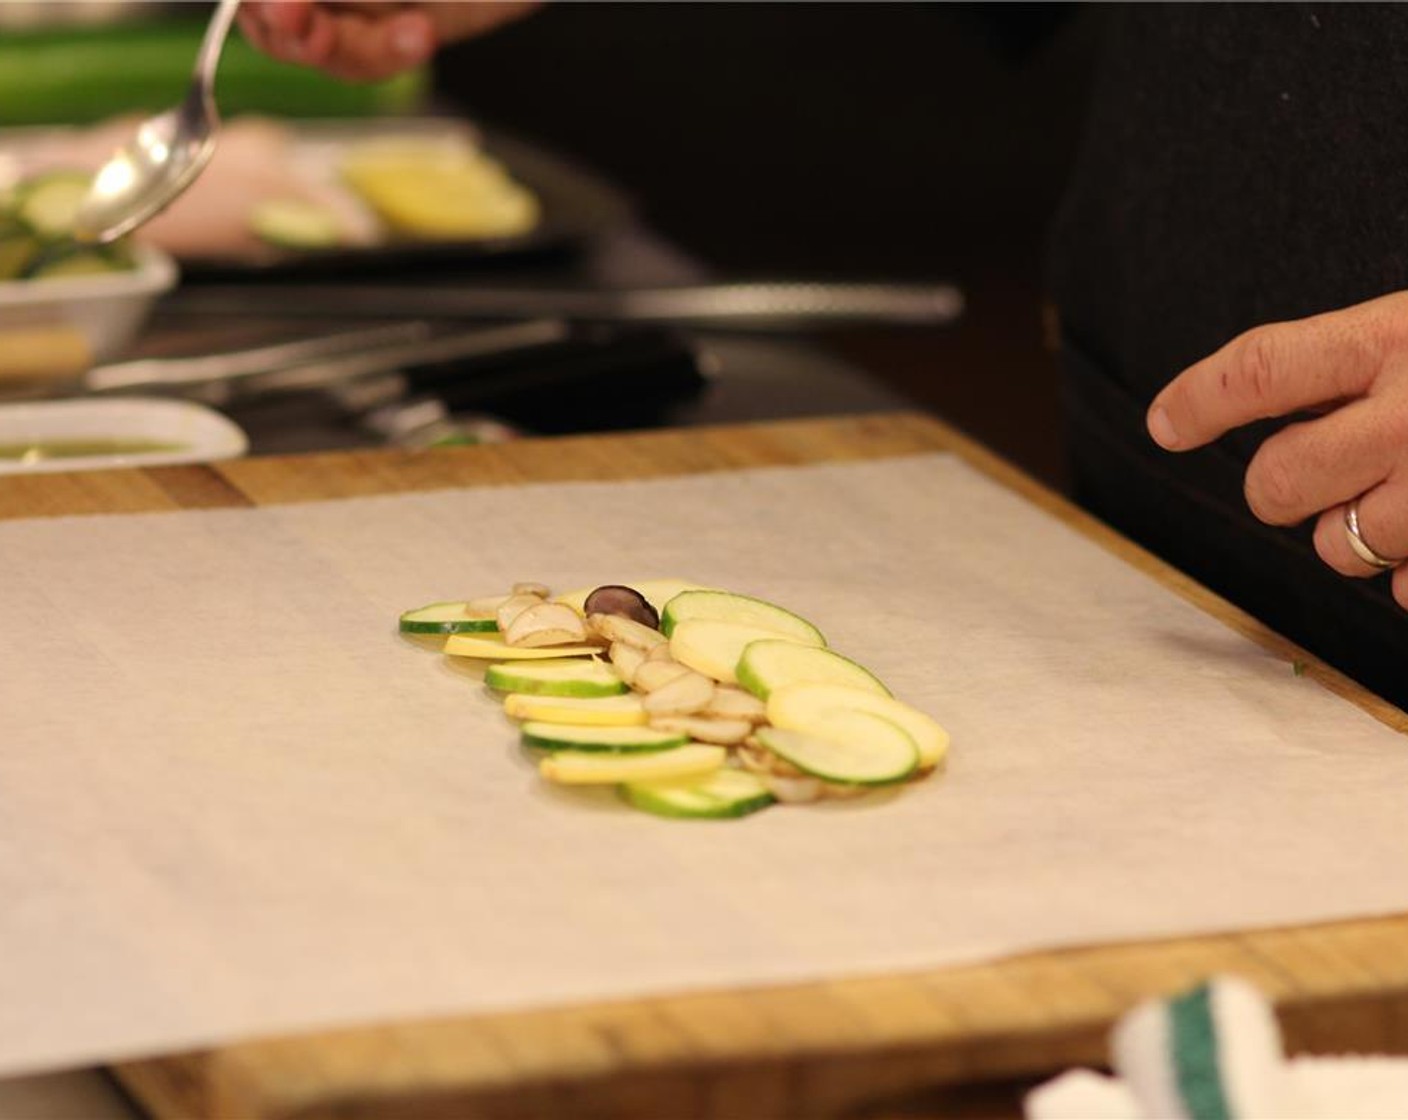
(208, 57)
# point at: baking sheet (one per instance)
(576, 204)
(234, 802)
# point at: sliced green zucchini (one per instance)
(48, 203)
(588, 737)
(724, 606)
(813, 707)
(68, 259)
(18, 248)
(446, 618)
(600, 711)
(722, 794)
(713, 647)
(857, 749)
(600, 768)
(295, 223)
(770, 664)
(556, 677)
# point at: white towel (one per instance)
(1215, 1053)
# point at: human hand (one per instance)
(368, 41)
(1351, 368)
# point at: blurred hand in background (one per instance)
(363, 42)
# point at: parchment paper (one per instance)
(233, 801)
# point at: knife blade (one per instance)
(750, 306)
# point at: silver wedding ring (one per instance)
(1360, 545)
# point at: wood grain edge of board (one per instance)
(817, 1050)
(133, 490)
(821, 1082)
(271, 480)
(321, 476)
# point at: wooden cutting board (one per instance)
(854, 1048)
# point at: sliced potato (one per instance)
(598, 768)
(604, 711)
(492, 647)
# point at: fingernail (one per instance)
(411, 40)
(1161, 428)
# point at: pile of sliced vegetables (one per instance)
(438, 189)
(694, 702)
(418, 189)
(36, 231)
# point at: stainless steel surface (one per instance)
(758, 306)
(480, 342)
(176, 373)
(165, 154)
(323, 362)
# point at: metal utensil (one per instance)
(208, 369)
(165, 154)
(755, 306)
(460, 346)
(315, 363)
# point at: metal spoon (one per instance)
(165, 155)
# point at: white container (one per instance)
(106, 310)
(199, 434)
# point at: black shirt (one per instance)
(1243, 164)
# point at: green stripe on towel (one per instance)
(1193, 1041)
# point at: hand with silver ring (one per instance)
(1348, 464)
(1362, 548)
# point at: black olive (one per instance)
(625, 601)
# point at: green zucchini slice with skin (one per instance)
(713, 647)
(445, 618)
(69, 259)
(561, 677)
(722, 795)
(766, 664)
(593, 737)
(18, 248)
(858, 749)
(812, 707)
(724, 606)
(48, 203)
(295, 223)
